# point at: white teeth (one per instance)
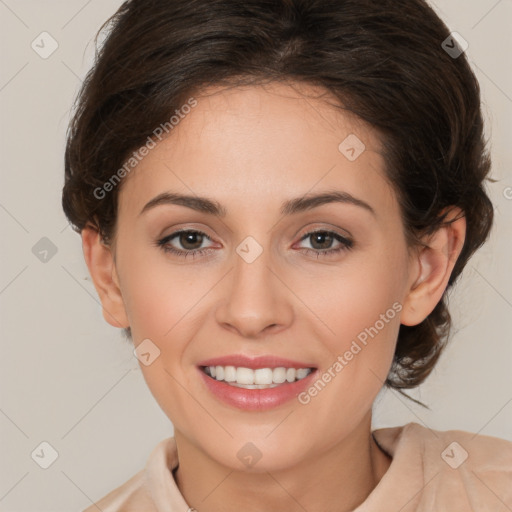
(279, 375)
(301, 373)
(244, 376)
(253, 386)
(261, 378)
(230, 374)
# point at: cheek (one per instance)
(161, 308)
(366, 293)
(157, 295)
(362, 308)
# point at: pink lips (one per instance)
(255, 399)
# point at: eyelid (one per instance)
(175, 235)
(184, 226)
(328, 231)
(327, 227)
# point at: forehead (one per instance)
(245, 145)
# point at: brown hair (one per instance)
(383, 60)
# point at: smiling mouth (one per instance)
(260, 378)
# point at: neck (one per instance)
(336, 480)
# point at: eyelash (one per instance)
(346, 244)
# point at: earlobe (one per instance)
(433, 266)
(100, 262)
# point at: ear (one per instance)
(432, 266)
(100, 261)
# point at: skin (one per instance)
(250, 149)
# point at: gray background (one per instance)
(70, 379)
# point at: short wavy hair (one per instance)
(387, 61)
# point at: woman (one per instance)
(273, 199)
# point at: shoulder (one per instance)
(470, 470)
(457, 447)
(138, 493)
(129, 497)
(425, 436)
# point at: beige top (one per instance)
(431, 471)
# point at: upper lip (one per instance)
(263, 361)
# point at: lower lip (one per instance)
(256, 399)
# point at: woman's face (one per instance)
(262, 293)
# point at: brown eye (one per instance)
(321, 242)
(190, 239)
(188, 242)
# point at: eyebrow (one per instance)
(290, 207)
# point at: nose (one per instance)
(255, 301)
